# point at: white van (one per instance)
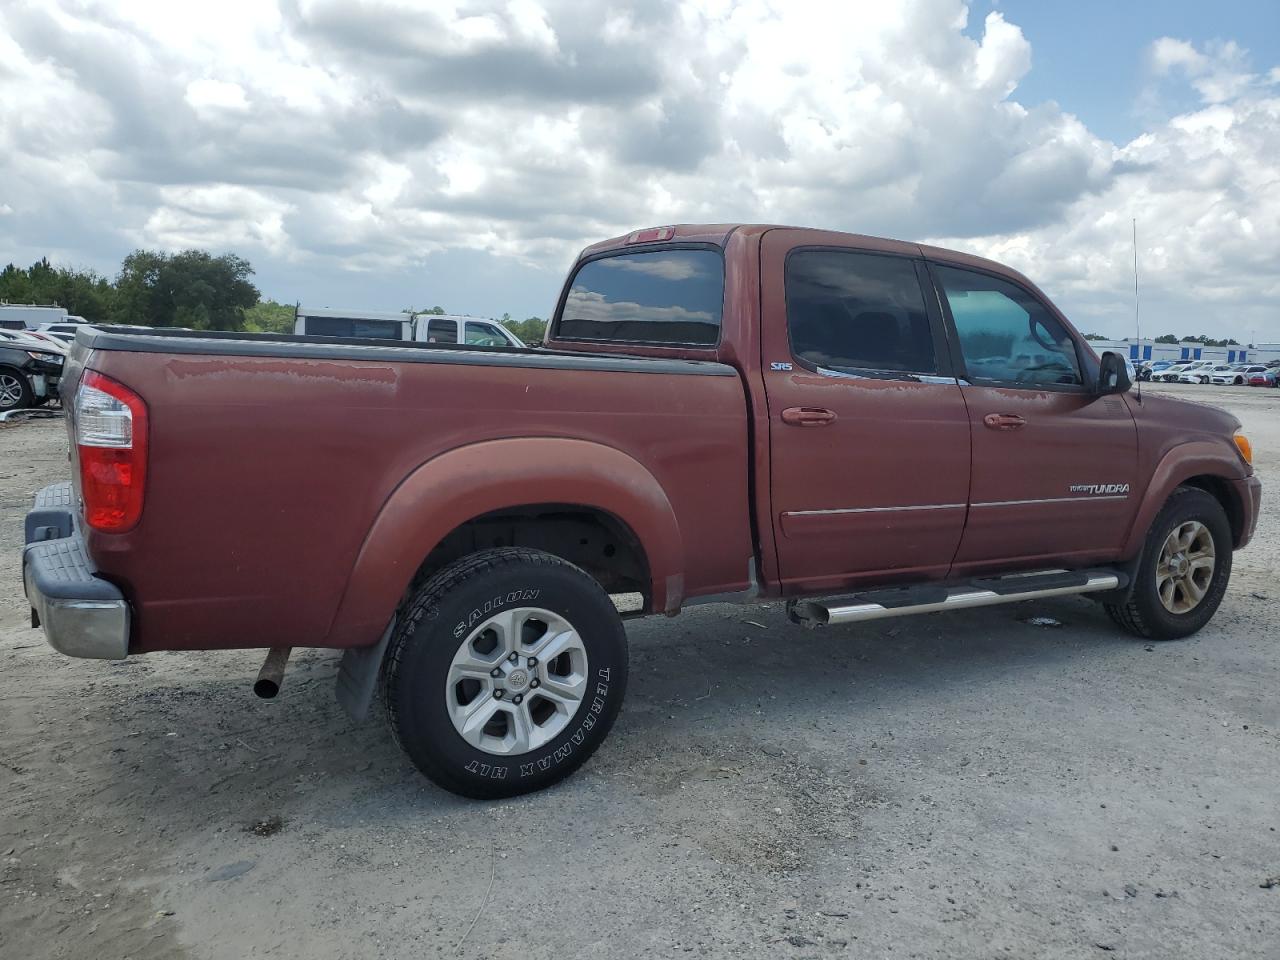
(30, 316)
(330, 322)
(434, 328)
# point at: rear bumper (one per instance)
(1249, 490)
(82, 614)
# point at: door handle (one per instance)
(808, 416)
(1003, 421)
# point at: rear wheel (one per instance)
(505, 672)
(1184, 570)
(15, 389)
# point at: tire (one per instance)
(1149, 616)
(15, 389)
(453, 624)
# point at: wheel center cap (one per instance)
(517, 680)
(1178, 565)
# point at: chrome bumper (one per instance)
(82, 614)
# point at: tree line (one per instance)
(1171, 338)
(192, 288)
(188, 289)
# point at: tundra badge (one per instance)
(1099, 488)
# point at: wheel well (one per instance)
(592, 539)
(1221, 491)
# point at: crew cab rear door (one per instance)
(869, 438)
(1054, 477)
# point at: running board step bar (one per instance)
(930, 598)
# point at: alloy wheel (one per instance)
(10, 390)
(517, 681)
(1185, 570)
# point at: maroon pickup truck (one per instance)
(862, 427)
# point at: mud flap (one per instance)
(358, 675)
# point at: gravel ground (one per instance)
(955, 785)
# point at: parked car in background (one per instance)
(1236, 375)
(66, 327)
(860, 427)
(31, 342)
(29, 372)
(1221, 372)
(1197, 371)
(1262, 378)
(1149, 368)
(473, 331)
(1170, 373)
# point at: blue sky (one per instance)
(1091, 55)
(406, 153)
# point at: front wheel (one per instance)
(505, 672)
(15, 389)
(1183, 573)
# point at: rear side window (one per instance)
(661, 297)
(442, 331)
(850, 311)
(1006, 334)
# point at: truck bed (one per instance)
(272, 457)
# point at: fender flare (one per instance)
(470, 481)
(1194, 458)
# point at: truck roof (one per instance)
(719, 233)
(342, 314)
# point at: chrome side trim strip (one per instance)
(824, 513)
(1019, 503)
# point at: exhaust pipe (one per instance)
(271, 676)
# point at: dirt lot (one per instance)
(957, 785)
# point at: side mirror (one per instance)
(1113, 375)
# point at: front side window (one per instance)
(660, 297)
(485, 335)
(1006, 334)
(442, 331)
(853, 312)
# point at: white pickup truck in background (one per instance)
(424, 327)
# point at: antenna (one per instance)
(1137, 325)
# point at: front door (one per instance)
(869, 439)
(1054, 465)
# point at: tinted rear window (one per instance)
(661, 297)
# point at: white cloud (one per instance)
(368, 136)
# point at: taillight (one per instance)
(111, 438)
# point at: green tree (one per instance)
(1166, 338)
(268, 316)
(188, 289)
(82, 292)
(532, 330)
(1095, 336)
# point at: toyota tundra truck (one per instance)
(858, 427)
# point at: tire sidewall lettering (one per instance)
(526, 595)
(575, 739)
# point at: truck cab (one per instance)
(445, 329)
